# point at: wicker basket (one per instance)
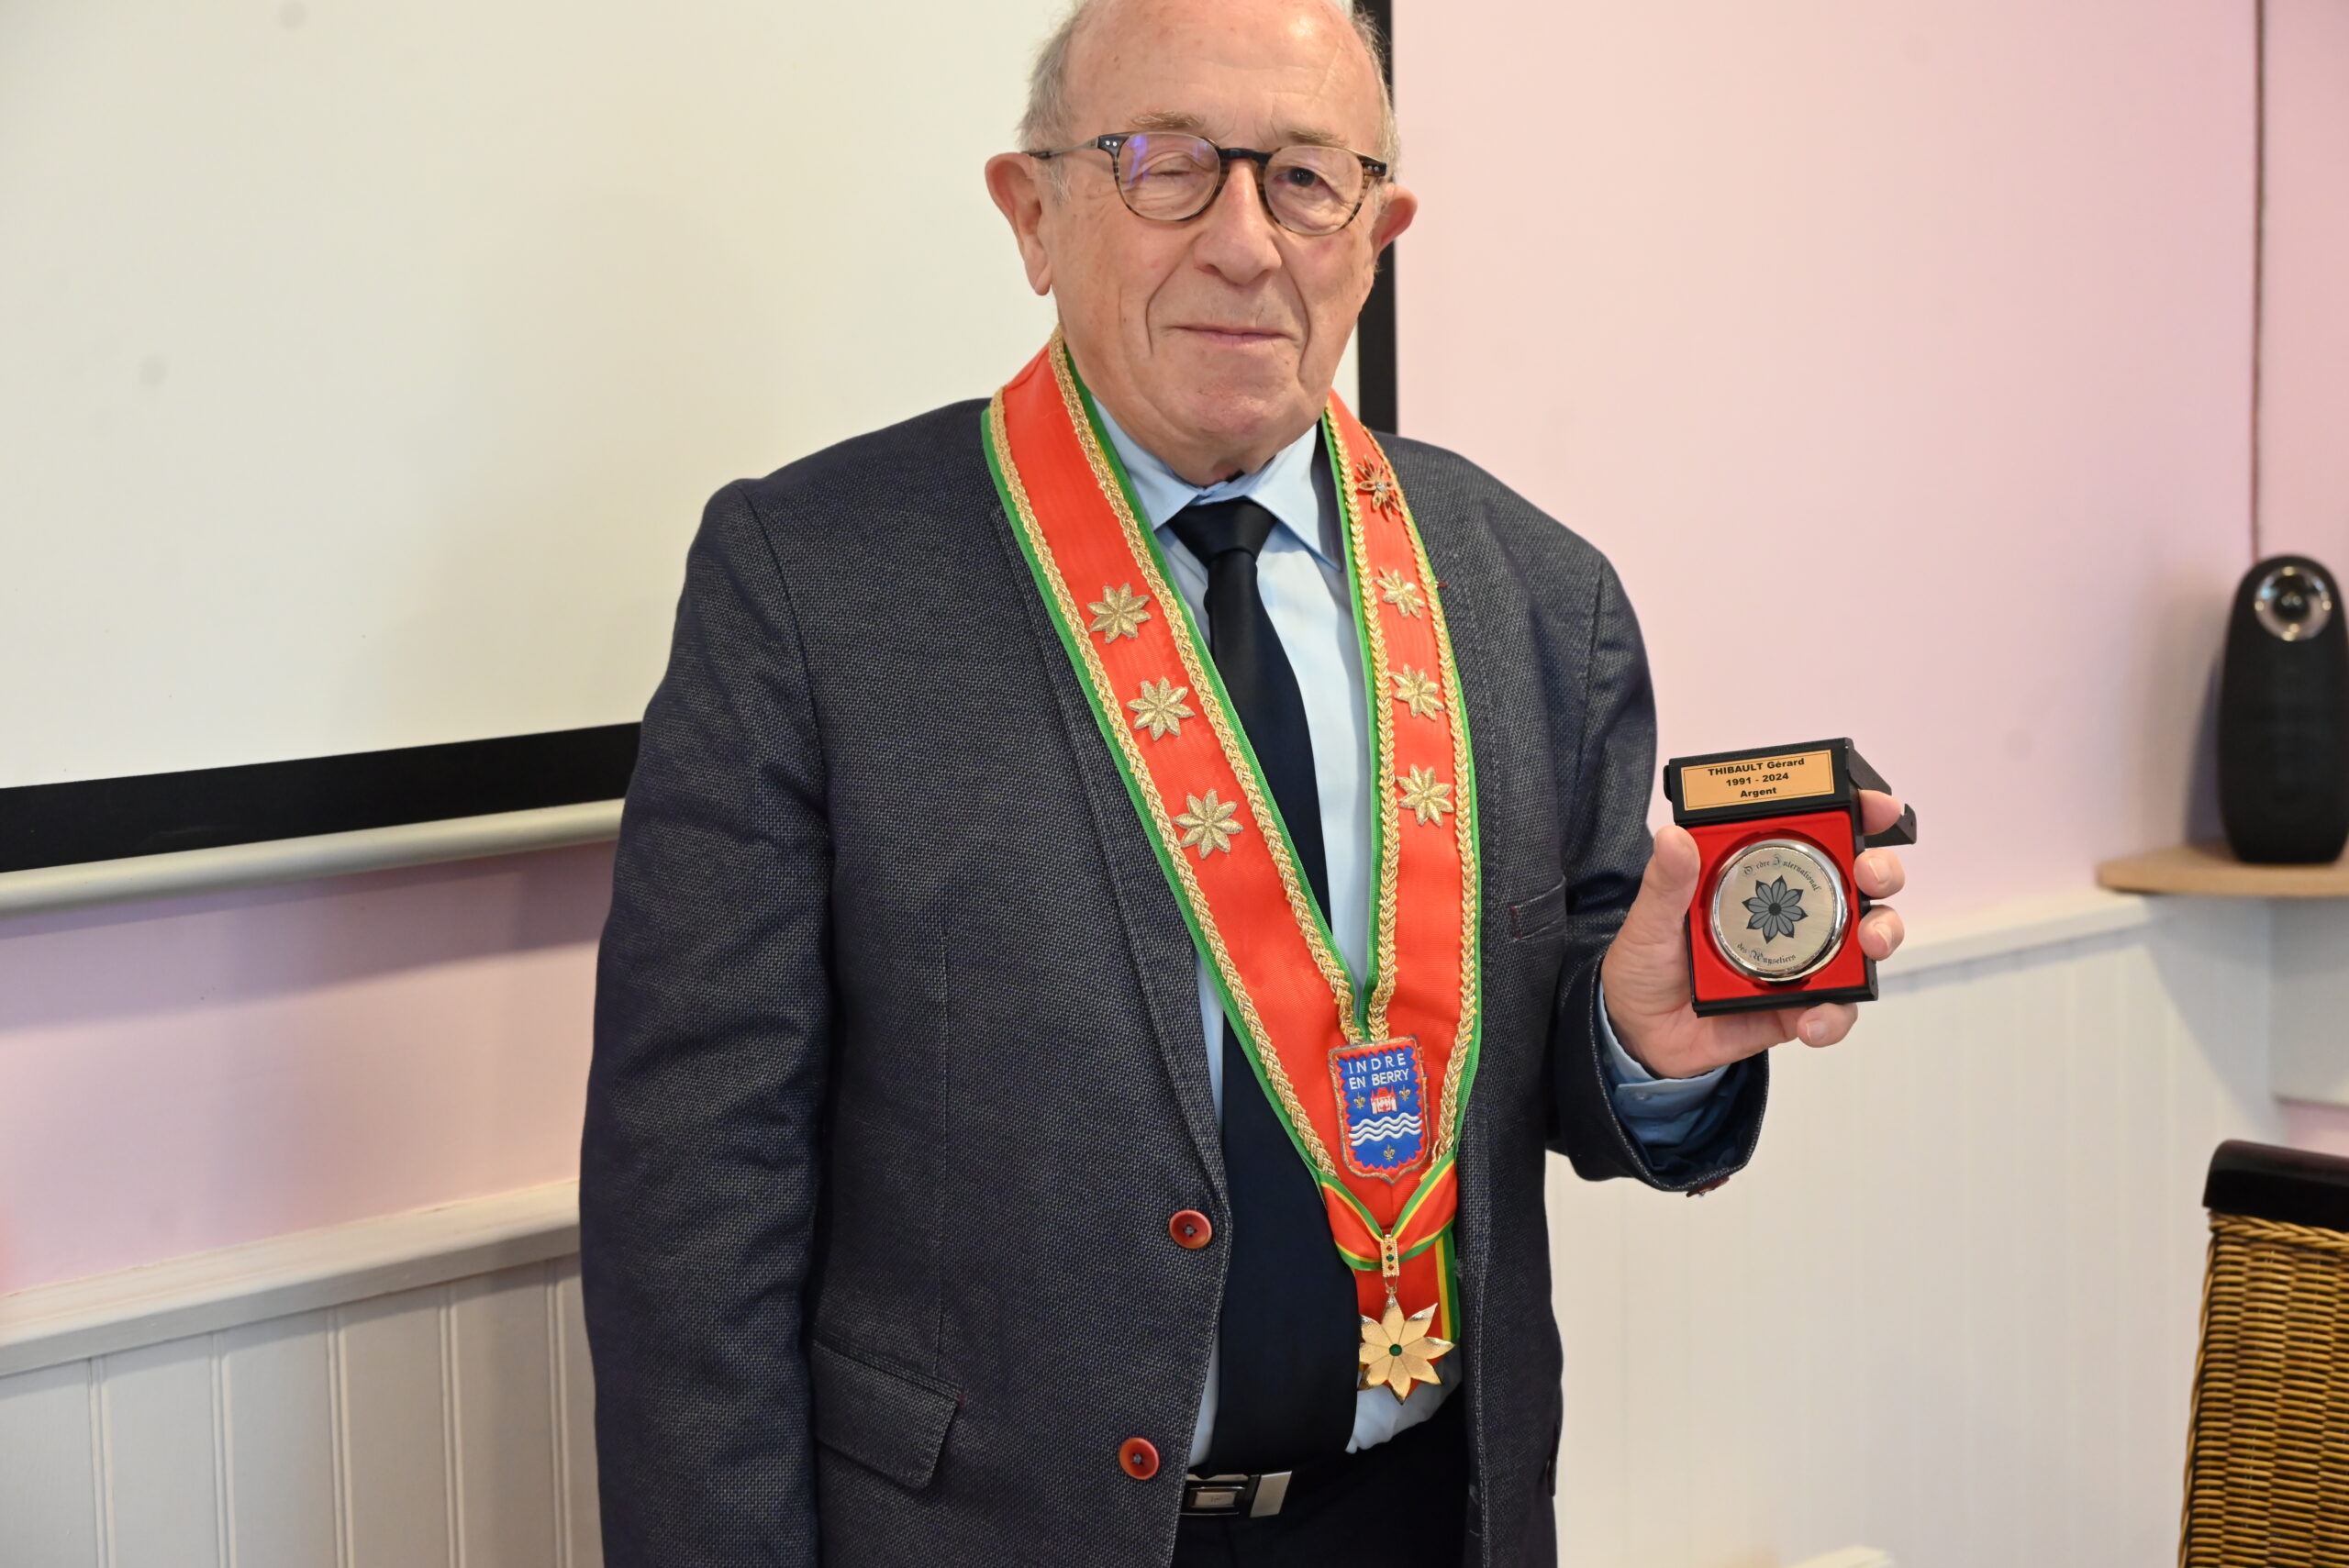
(2267, 1453)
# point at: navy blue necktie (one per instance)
(1289, 1331)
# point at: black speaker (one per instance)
(2284, 717)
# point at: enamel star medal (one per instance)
(1399, 1351)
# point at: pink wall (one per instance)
(185, 1075)
(2324, 1128)
(1899, 355)
(2304, 336)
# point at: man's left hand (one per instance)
(1645, 973)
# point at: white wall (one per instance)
(448, 1426)
(367, 366)
(1950, 1311)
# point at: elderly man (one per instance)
(1122, 885)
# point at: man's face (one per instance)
(1214, 341)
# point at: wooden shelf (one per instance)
(2213, 871)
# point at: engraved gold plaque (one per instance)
(1704, 785)
(1779, 909)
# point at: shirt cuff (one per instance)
(1660, 1112)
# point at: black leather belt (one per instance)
(1236, 1496)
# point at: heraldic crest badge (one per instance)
(1383, 1090)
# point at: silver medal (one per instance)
(1779, 909)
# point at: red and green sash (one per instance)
(1370, 1080)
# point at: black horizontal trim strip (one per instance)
(207, 808)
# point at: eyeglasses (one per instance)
(1172, 177)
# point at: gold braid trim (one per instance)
(1464, 826)
(1391, 834)
(1130, 746)
(1300, 900)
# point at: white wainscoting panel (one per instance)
(277, 1397)
(1951, 1309)
(49, 1505)
(447, 1427)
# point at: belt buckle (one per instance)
(1235, 1496)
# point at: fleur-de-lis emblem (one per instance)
(1417, 691)
(1161, 709)
(1428, 796)
(1775, 907)
(1401, 592)
(1376, 486)
(1118, 611)
(1209, 825)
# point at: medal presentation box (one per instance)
(1775, 921)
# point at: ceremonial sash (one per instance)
(1370, 1079)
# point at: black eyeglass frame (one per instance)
(1112, 141)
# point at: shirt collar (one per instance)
(1283, 486)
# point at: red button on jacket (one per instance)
(1139, 1458)
(1191, 1228)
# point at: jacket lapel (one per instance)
(1166, 961)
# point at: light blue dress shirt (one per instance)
(1303, 579)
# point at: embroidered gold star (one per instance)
(1428, 796)
(1398, 1350)
(1376, 485)
(1118, 611)
(1399, 591)
(1417, 690)
(1209, 825)
(1161, 709)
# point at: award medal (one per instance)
(1370, 1080)
(1779, 909)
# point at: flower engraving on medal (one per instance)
(1417, 691)
(1376, 486)
(1401, 592)
(1400, 1352)
(1161, 709)
(1428, 796)
(1209, 825)
(1775, 907)
(1793, 918)
(1118, 611)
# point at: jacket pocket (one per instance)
(889, 1422)
(1540, 915)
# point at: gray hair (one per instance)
(1046, 121)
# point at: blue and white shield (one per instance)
(1383, 1103)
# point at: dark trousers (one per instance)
(1403, 1504)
